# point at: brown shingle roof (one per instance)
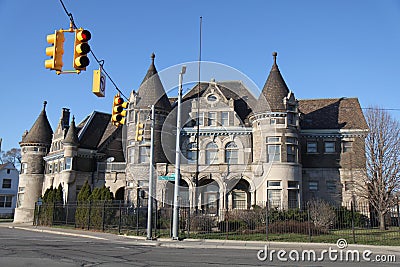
(41, 132)
(72, 135)
(151, 91)
(274, 90)
(336, 113)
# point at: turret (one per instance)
(35, 145)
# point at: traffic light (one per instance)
(139, 131)
(118, 111)
(55, 51)
(81, 48)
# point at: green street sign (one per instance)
(167, 178)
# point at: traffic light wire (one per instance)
(100, 62)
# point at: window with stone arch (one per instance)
(231, 153)
(211, 153)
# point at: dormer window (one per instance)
(212, 98)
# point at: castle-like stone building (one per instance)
(238, 150)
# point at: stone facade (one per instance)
(237, 151)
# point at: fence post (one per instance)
(120, 217)
(309, 222)
(52, 216)
(156, 217)
(89, 211)
(352, 221)
(66, 214)
(104, 216)
(266, 220)
(137, 213)
(398, 213)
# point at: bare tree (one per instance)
(382, 179)
(13, 155)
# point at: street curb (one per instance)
(206, 243)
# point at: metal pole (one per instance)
(175, 222)
(151, 178)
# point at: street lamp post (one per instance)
(151, 179)
(175, 222)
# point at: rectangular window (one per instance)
(331, 186)
(55, 167)
(348, 186)
(312, 147)
(291, 140)
(293, 198)
(274, 183)
(24, 166)
(239, 199)
(68, 163)
(225, 118)
(273, 139)
(313, 186)
(144, 154)
(293, 184)
(5, 201)
(290, 119)
(6, 183)
(212, 119)
(291, 153)
(272, 121)
(50, 167)
(130, 154)
(329, 147)
(274, 198)
(61, 165)
(274, 153)
(347, 146)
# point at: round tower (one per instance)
(275, 122)
(35, 145)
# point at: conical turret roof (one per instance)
(151, 90)
(72, 136)
(274, 91)
(41, 132)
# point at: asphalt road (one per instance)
(29, 248)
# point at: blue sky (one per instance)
(326, 49)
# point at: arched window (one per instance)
(231, 153)
(211, 153)
(191, 152)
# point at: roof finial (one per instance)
(44, 105)
(274, 54)
(73, 119)
(152, 57)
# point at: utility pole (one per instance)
(151, 178)
(175, 221)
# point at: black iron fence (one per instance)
(315, 221)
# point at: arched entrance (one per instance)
(209, 196)
(240, 195)
(120, 194)
(183, 193)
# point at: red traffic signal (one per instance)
(81, 48)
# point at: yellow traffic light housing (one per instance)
(81, 48)
(118, 111)
(55, 51)
(139, 131)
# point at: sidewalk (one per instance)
(191, 243)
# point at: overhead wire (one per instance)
(100, 62)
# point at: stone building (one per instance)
(238, 150)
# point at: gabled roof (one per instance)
(41, 132)
(93, 129)
(151, 90)
(274, 90)
(7, 165)
(244, 100)
(335, 113)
